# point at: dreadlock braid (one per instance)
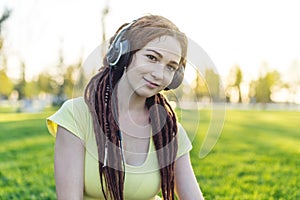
(164, 137)
(98, 96)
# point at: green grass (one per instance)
(26, 153)
(257, 155)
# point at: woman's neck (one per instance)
(133, 113)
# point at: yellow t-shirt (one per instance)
(141, 182)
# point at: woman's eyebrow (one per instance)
(174, 63)
(156, 52)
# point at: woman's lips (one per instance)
(151, 84)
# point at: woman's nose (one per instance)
(158, 71)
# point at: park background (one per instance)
(250, 80)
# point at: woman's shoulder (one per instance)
(78, 101)
(73, 115)
(75, 105)
(72, 110)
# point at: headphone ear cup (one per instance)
(177, 79)
(113, 54)
(116, 50)
(124, 56)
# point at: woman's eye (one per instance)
(171, 68)
(151, 57)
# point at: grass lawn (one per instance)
(256, 156)
(26, 157)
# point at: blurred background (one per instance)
(254, 47)
(242, 80)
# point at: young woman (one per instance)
(122, 139)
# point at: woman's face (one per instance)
(152, 68)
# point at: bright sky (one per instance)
(243, 32)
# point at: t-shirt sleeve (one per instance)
(73, 116)
(184, 143)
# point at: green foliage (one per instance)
(235, 80)
(73, 76)
(262, 88)
(20, 86)
(200, 87)
(45, 83)
(256, 157)
(213, 83)
(6, 85)
(31, 89)
(207, 86)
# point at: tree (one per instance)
(4, 17)
(213, 84)
(235, 79)
(73, 77)
(293, 81)
(209, 86)
(45, 83)
(6, 85)
(31, 89)
(20, 86)
(262, 88)
(63, 81)
(200, 87)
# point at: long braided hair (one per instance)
(102, 104)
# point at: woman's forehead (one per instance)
(166, 45)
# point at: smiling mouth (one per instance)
(151, 84)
